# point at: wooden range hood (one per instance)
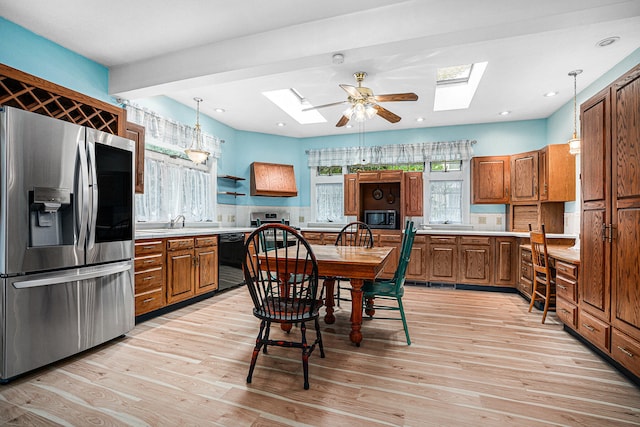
(272, 179)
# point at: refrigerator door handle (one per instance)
(93, 216)
(82, 202)
(77, 275)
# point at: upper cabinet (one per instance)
(491, 179)
(272, 179)
(413, 199)
(135, 132)
(351, 194)
(557, 174)
(524, 177)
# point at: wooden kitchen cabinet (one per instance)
(557, 174)
(149, 272)
(180, 269)
(506, 261)
(609, 287)
(524, 177)
(351, 195)
(442, 262)
(417, 268)
(551, 214)
(272, 179)
(135, 132)
(567, 293)
(413, 194)
(525, 281)
(381, 176)
(206, 256)
(490, 179)
(476, 256)
(393, 239)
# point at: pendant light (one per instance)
(574, 143)
(196, 152)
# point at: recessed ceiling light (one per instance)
(608, 41)
(280, 124)
(420, 119)
(219, 110)
(549, 94)
(504, 113)
(348, 126)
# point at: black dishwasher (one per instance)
(230, 254)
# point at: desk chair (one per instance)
(356, 233)
(284, 289)
(393, 289)
(544, 287)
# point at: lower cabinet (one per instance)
(173, 270)
(442, 262)
(567, 293)
(417, 268)
(149, 267)
(475, 260)
(525, 282)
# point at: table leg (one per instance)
(356, 311)
(329, 284)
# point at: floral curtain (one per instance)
(392, 154)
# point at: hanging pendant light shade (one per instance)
(574, 143)
(196, 152)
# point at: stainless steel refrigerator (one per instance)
(66, 239)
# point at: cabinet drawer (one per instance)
(594, 330)
(526, 270)
(149, 261)
(626, 350)
(566, 289)
(419, 239)
(567, 270)
(442, 240)
(149, 280)
(148, 247)
(176, 244)
(390, 238)
(526, 256)
(468, 240)
(567, 312)
(148, 302)
(201, 242)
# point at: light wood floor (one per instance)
(477, 358)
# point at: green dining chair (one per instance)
(380, 294)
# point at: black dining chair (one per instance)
(284, 288)
(356, 233)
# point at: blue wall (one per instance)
(36, 55)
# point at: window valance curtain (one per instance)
(167, 133)
(392, 154)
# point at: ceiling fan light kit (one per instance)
(363, 104)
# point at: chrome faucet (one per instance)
(175, 220)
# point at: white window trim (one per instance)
(316, 179)
(463, 175)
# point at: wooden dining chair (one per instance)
(544, 287)
(392, 290)
(284, 288)
(356, 233)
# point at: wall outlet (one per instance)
(219, 218)
(300, 219)
(498, 220)
(232, 218)
(482, 220)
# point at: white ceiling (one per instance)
(228, 52)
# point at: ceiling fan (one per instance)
(364, 104)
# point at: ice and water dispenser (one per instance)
(50, 217)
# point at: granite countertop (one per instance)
(159, 233)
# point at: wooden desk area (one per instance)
(565, 261)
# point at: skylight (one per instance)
(456, 86)
(291, 102)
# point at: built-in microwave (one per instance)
(381, 218)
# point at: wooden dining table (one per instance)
(349, 262)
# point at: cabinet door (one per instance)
(443, 260)
(394, 240)
(557, 173)
(206, 274)
(625, 192)
(524, 177)
(413, 194)
(351, 195)
(595, 252)
(417, 268)
(490, 179)
(135, 132)
(506, 265)
(180, 275)
(475, 260)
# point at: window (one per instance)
(447, 192)
(327, 196)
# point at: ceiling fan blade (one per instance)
(386, 114)
(325, 105)
(343, 121)
(352, 91)
(410, 96)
